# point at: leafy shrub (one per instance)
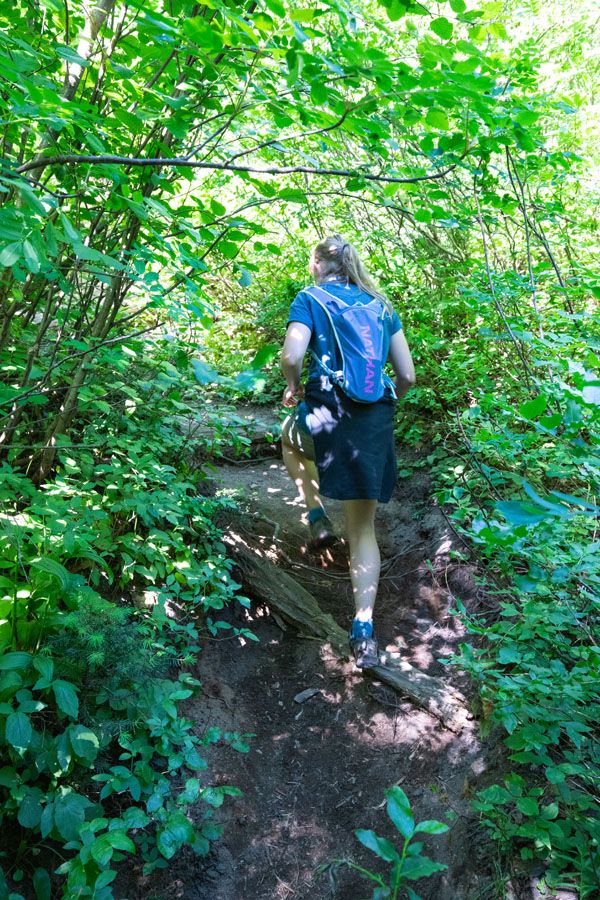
(99, 761)
(55, 755)
(536, 657)
(408, 863)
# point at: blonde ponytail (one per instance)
(339, 257)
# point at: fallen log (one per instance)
(264, 580)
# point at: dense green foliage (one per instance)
(92, 677)
(527, 499)
(165, 170)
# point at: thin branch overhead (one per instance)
(182, 162)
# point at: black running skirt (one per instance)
(354, 443)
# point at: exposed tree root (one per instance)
(266, 581)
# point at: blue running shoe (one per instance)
(363, 645)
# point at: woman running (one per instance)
(335, 445)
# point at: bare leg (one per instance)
(301, 469)
(365, 561)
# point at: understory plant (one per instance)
(112, 576)
(407, 861)
(524, 491)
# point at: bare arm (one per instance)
(294, 348)
(402, 363)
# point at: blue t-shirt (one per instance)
(305, 309)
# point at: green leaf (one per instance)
(550, 811)
(203, 33)
(293, 194)
(265, 355)
(420, 867)
(458, 6)
(442, 27)
(33, 261)
(10, 682)
(45, 667)
(69, 814)
(231, 791)
(66, 698)
(18, 730)
(10, 254)
(379, 845)
(398, 810)
(319, 93)
(85, 743)
(228, 249)
(30, 810)
(437, 118)
(82, 251)
(200, 845)
(396, 8)
(398, 795)
(534, 408)
(528, 806)
(552, 421)
(213, 796)
(70, 230)
(47, 820)
(93, 141)
(509, 654)
(204, 373)
(134, 817)
(245, 278)
(177, 832)
(120, 841)
(8, 778)
(191, 791)
(495, 794)
(527, 117)
(41, 884)
(422, 215)
(45, 564)
(194, 761)
(518, 513)
(15, 659)
(430, 826)
(276, 7)
(70, 55)
(104, 846)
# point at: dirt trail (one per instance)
(317, 770)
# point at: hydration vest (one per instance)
(358, 330)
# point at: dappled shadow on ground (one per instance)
(318, 769)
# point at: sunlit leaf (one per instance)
(379, 845)
(442, 27)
